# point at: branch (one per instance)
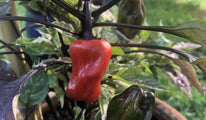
(31, 25)
(82, 112)
(87, 24)
(52, 108)
(50, 63)
(13, 51)
(151, 46)
(3, 17)
(152, 28)
(70, 9)
(146, 51)
(164, 29)
(8, 45)
(64, 49)
(103, 8)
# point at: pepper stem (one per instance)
(87, 26)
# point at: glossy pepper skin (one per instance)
(90, 59)
(132, 104)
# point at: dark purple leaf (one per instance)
(10, 89)
(6, 72)
(7, 92)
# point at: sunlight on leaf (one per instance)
(186, 46)
(144, 81)
(117, 51)
(38, 46)
(35, 89)
(105, 96)
(107, 33)
(194, 31)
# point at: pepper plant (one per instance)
(96, 64)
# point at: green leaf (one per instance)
(194, 31)
(67, 37)
(139, 80)
(114, 68)
(47, 44)
(36, 47)
(53, 83)
(34, 6)
(146, 81)
(35, 90)
(107, 33)
(107, 93)
(126, 75)
(98, 116)
(201, 63)
(50, 35)
(117, 51)
(78, 111)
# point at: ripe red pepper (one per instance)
(90, 59)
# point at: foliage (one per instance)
(146, 64)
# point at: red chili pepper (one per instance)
(90, 59)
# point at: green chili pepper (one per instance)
(131, 12)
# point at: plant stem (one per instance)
(64, 49)
(58, 14)
(53, 109)
(45, 14)
(150, 46)
(152, 28)
(31, 25)
(82, 112)
(89, 109)
(13, 51)
(147, 51)
(177, 31)
(108, 5)
(70, 9)
(79, 4)
(87, 24)
(3, 17)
